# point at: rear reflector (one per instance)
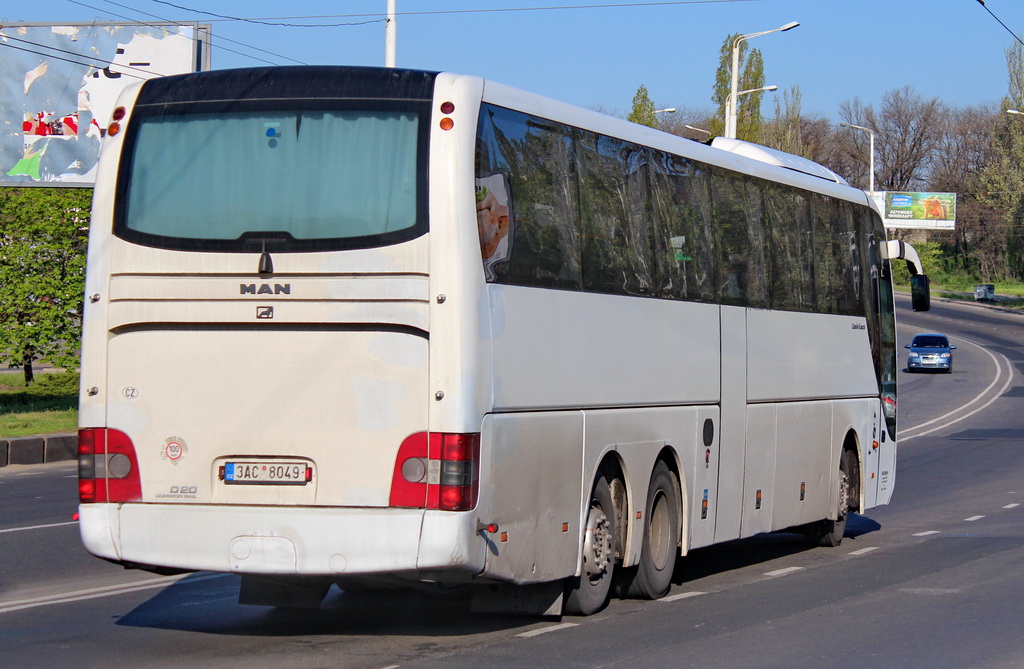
(108, 470)
(437, 471)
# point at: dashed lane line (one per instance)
(682, 595)
(865, 551)
(783, 572)
(545, 630)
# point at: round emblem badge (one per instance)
(174, 449)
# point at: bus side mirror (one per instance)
(920, 296)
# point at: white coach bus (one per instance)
(356, 325)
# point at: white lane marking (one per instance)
(94, 593)
(977, 398)
(545, 630)
(1011, 506)
(682, 595)
(39, 527)
(925, 534)
(972, 519)
(864, 551)
(783, 572)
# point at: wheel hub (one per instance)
(844, 494)
(597, 544)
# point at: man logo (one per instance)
(264, 312)
(265, 289)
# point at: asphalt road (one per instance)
(932, 580)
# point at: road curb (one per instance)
(38, 450)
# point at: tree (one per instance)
(749, 121)
(1002, 180)
(907, 131)
(785, 131)
(43, 233)
(751, 76)
(643, 109)
(977, 244)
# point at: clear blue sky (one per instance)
(595, 53)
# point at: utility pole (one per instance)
(390, 36)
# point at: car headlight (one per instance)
(944, 355)
(915, 355)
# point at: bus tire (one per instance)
(652, 577)
(830, 532)
(588, 593)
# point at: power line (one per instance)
(982, 3)
(618, 5)
(195, 39)
(248, 46)
(270, 23)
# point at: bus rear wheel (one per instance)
(587, 593)
(830, 532)
(652, 577)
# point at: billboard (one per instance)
(924, 211)
(58, 85)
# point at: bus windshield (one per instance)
(211, 180)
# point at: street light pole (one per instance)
(871, 158)
(390, 36)
(731, 100)
(730, 103)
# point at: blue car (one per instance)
(930, 351)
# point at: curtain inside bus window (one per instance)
(537, 155)
(314, 175)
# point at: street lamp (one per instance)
(731, 102)
(1014, 111)
(871, 158)
(690, 127)
(666, 110)
(730, 106)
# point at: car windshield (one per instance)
(931, 342)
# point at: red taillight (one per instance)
(437, 471)
(108, 470)
(460, 457)
(87, 466)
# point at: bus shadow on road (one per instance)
(211, 607)
(761, 548)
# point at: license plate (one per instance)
(266, 473)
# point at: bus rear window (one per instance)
(291, 180)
